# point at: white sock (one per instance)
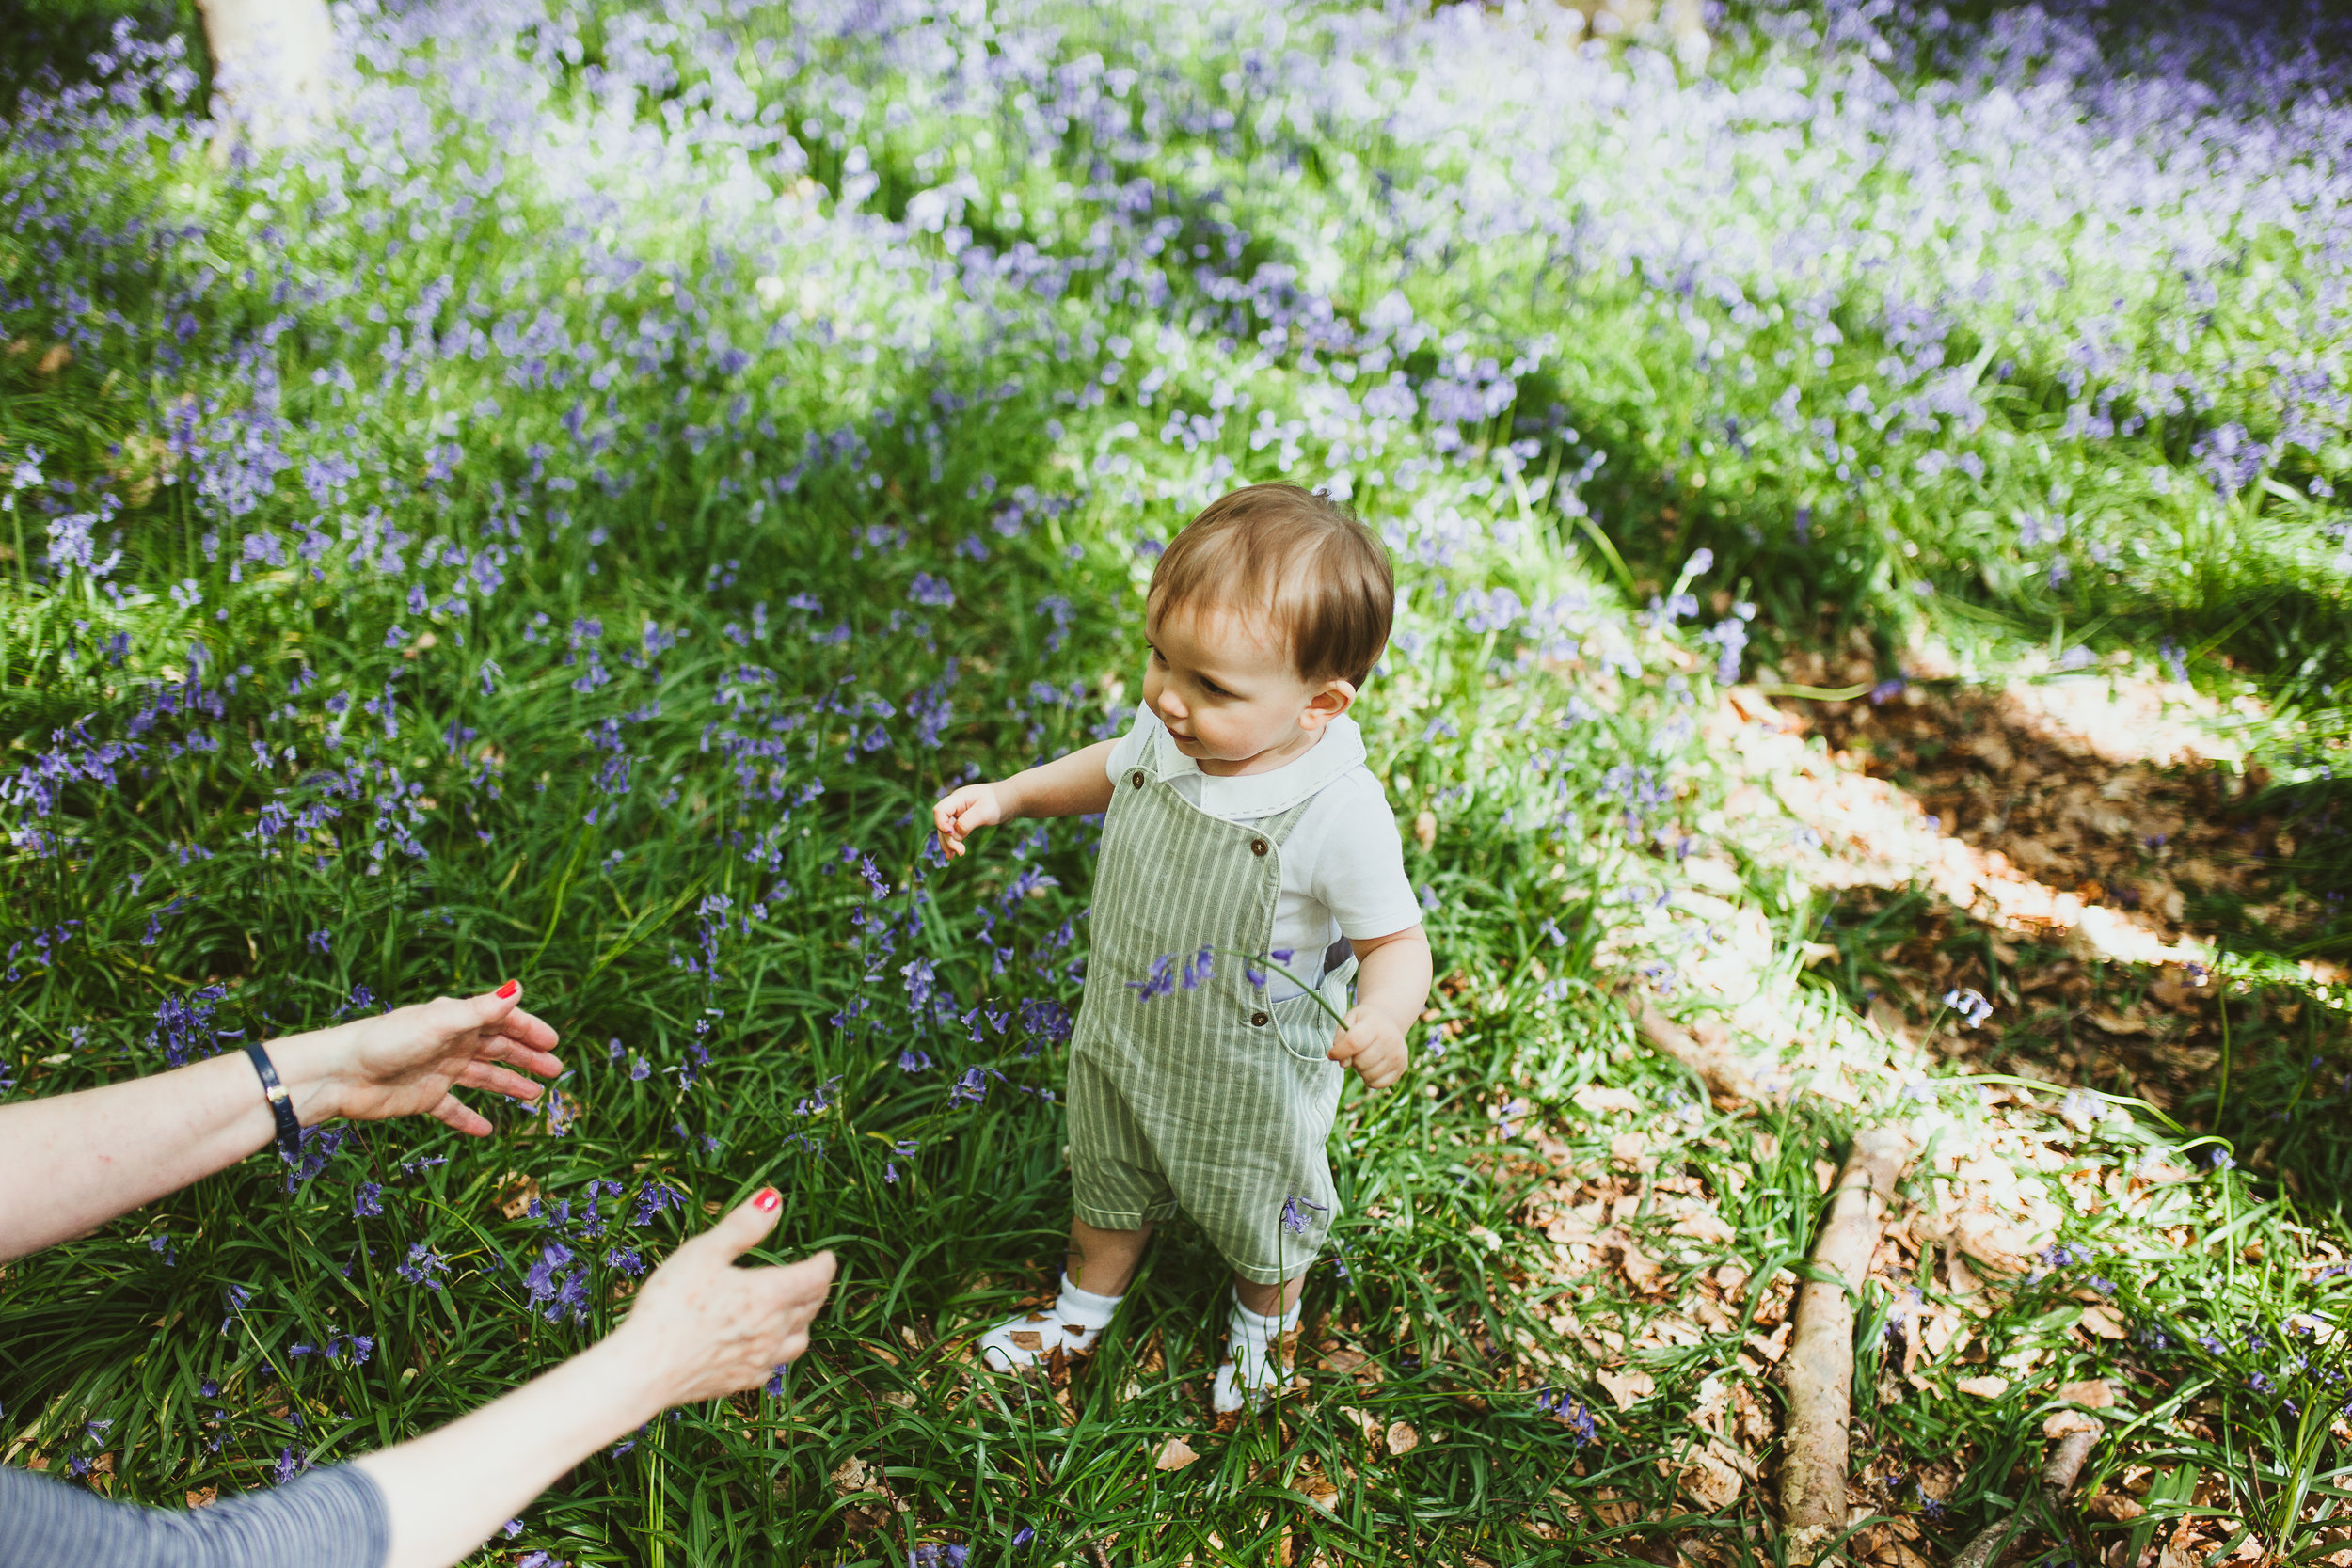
(1253, 1363)
(1074, 1321)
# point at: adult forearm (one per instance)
(72, 1162)
(1394, 979)
(1067, 786)
(448, 1490)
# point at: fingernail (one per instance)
(507, 990)
(767, 1200)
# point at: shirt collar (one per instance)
(1258, 794)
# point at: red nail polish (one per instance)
(509, 989)
(766, 1200)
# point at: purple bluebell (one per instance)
(1971, 1007)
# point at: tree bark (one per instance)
(1820, 1377)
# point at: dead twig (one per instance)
(1725, 1074)
(1819, 1368)
(2058, 1479)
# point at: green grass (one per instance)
(666, 825)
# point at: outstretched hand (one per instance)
(408, 1060)
(702, 1327)
(974, 806)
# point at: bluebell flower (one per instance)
(1971, 1007)
(1572, 1411)
(656, 1196)
(1159, 982)
(236, 1296)
(1293, 1220)
(423, 1264)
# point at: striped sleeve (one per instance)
(331, 1518)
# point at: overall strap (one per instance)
(1278, 828)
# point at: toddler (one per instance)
(1241, 826)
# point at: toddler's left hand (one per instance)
(1373, 1045)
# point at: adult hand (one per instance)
(399, 1063)
(702, 1327)
(974, 806)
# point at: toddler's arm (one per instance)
(1392, 982)
(1072, 785)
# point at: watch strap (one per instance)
(280, 1105)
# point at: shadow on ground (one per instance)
(2086, 856)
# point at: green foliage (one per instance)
(564, 534)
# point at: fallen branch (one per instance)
(1819, 1375)
(1722, 1071)
(2058, 1479)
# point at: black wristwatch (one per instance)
(280, 1105)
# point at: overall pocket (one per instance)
(1305, 1030)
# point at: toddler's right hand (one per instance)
(974, 805)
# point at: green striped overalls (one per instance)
(1214, 1099)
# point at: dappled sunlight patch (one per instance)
(1875, 831)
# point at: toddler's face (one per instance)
(1224, 685)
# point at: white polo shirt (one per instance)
(1344, 863)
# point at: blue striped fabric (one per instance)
(331, 1518)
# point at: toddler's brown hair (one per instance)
(1323, 576)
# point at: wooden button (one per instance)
(1257, 846)
(1135, 778)
(1258, 1020)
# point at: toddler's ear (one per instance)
(1335, 698)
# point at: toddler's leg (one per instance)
(1103, 1258)
(1254, 1364)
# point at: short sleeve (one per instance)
(1360, 871)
